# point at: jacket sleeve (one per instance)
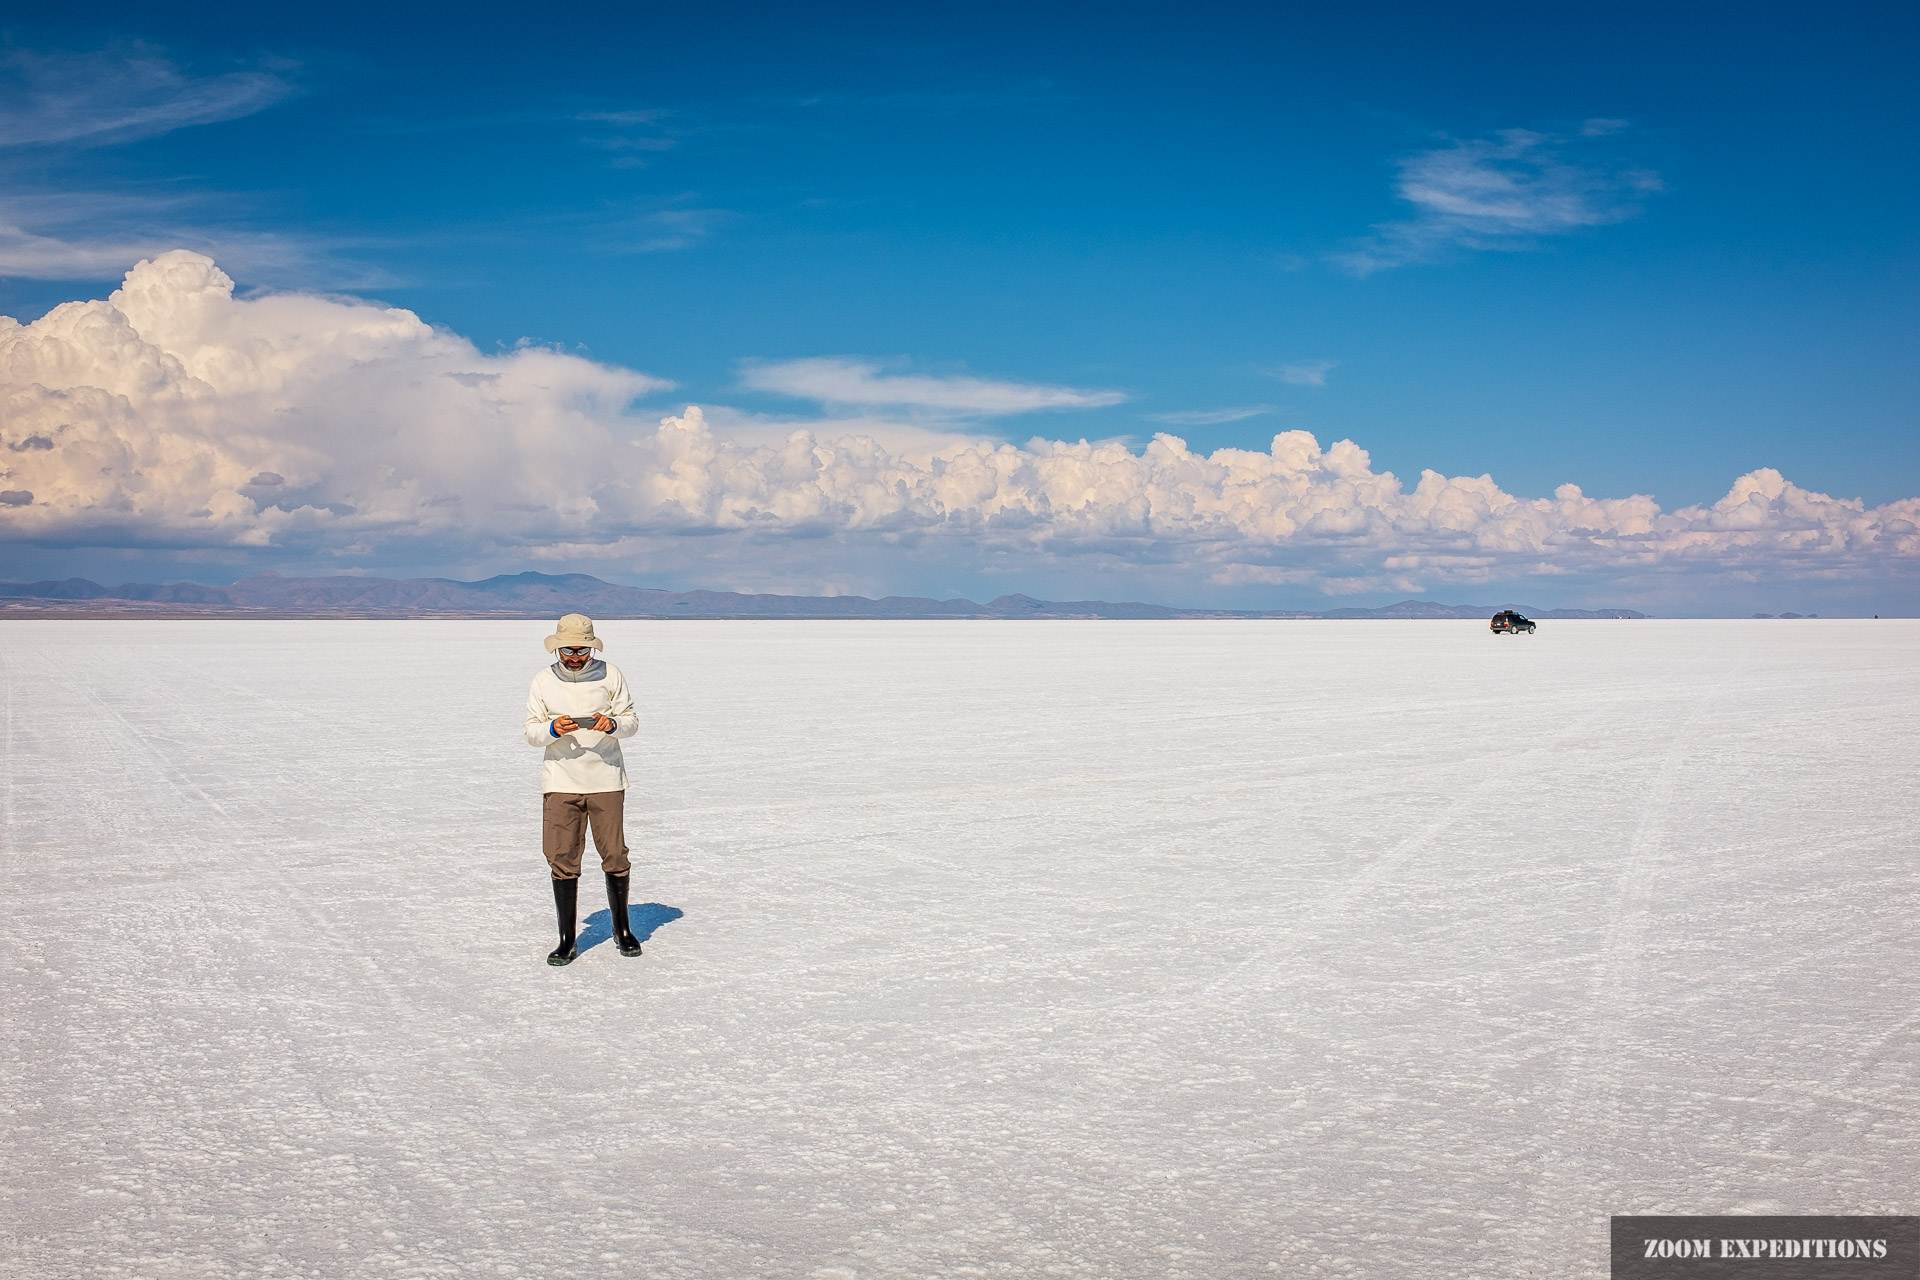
(626, 721)
(539, 719)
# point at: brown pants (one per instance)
(566, 816)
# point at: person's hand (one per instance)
(563, 725)
(604, 723)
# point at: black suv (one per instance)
(1509, 621)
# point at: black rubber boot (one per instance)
(617, 907)
(566, 900)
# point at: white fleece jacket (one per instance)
(587, 760)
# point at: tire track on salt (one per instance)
(1592, 1079)
(379, 1108)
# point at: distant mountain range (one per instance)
(541, 595)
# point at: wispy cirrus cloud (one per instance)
(1211, 417)
(627, 118)
(952, 100)
(73, 102)
(30, 255)
(1302, 373)
(83, 235)
(851, 381)
(662, 230)
(631, 136)
(1506, 192)
(106, 97)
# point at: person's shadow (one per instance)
(643, 918)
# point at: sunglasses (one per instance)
(576, 651)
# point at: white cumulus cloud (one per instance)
(165, 401)
(173, 414)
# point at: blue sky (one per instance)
(1641, 252)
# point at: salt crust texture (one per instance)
(1073, 949)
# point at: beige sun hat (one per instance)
(572, 631)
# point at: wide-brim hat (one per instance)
(572, 631)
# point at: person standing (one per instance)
(578, 710)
